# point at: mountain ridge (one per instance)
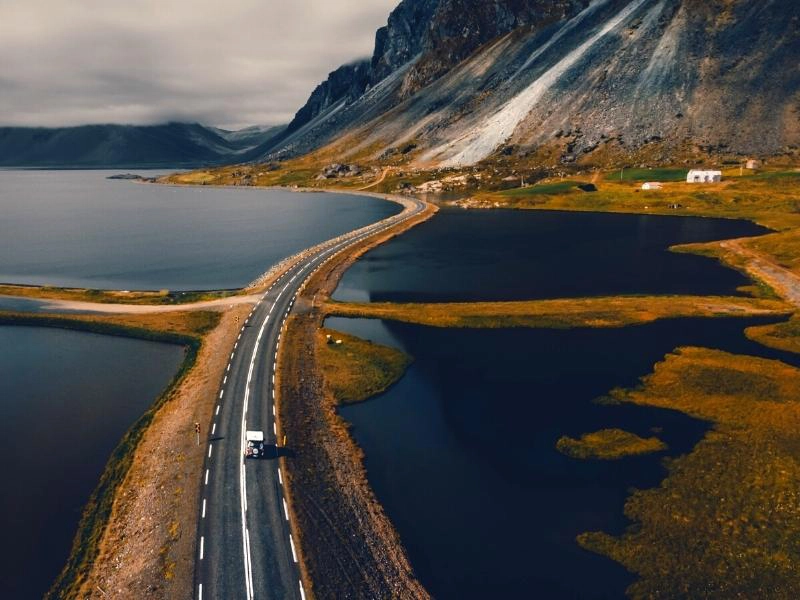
(572, 81)
(114, 145)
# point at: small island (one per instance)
(609, 444)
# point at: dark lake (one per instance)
(519, 255)
(79, 229)
(66, 399)
(461, 452)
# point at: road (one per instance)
(245, 548)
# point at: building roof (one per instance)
(255, 436)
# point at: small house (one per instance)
(652, 185)
(698, 176)
(753, 164)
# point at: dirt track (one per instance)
(782, 280)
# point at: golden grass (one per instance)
(782, 336)
(111, 296)
(615, 311)
(183, 323)
(783, 247)
(609, 444)
(770, 200)
(726, 521)
(358, 369)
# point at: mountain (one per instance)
(172, 144)
(552, 82)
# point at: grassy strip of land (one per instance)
(609, 444)
(615, 311)
(771, 201)
(781, 336)
(357, 369)
(161, 297)
(726, 521)
(185, 329)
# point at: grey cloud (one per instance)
(143, 61)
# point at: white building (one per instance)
(652, 185)
(697, 176)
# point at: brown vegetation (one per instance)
(609, 444)
(356, 369)
(616, 311)
(726, 521)
(161, 297)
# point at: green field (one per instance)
(558, 187)
(664, 174)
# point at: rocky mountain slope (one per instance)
(172, 144)
(455, 82)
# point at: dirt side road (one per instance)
(760, 266)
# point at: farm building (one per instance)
(697, 176)
(652, 185)
(753, 164)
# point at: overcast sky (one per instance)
(230, 64)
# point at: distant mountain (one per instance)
(169, 145)
(455, 82)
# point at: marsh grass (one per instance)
(726, 521)
(609, 444)
(612, 311)
(357, 369)
(160, 297)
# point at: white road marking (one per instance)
(291, 543)
(274, 428)
(202, 546)
(204, 509)
(285, 509)
(209, 450)
(302, 592)
(213, 427)
(206, 477)
(221, 392)
(231, 355)
(217, 410)
(225, 380)
(249, 565)
(280, 477)
(200, 592)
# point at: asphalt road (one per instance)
(245, 548)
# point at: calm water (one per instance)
(519, 255)
(76, 228)
(66, 400)
(461, 452)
